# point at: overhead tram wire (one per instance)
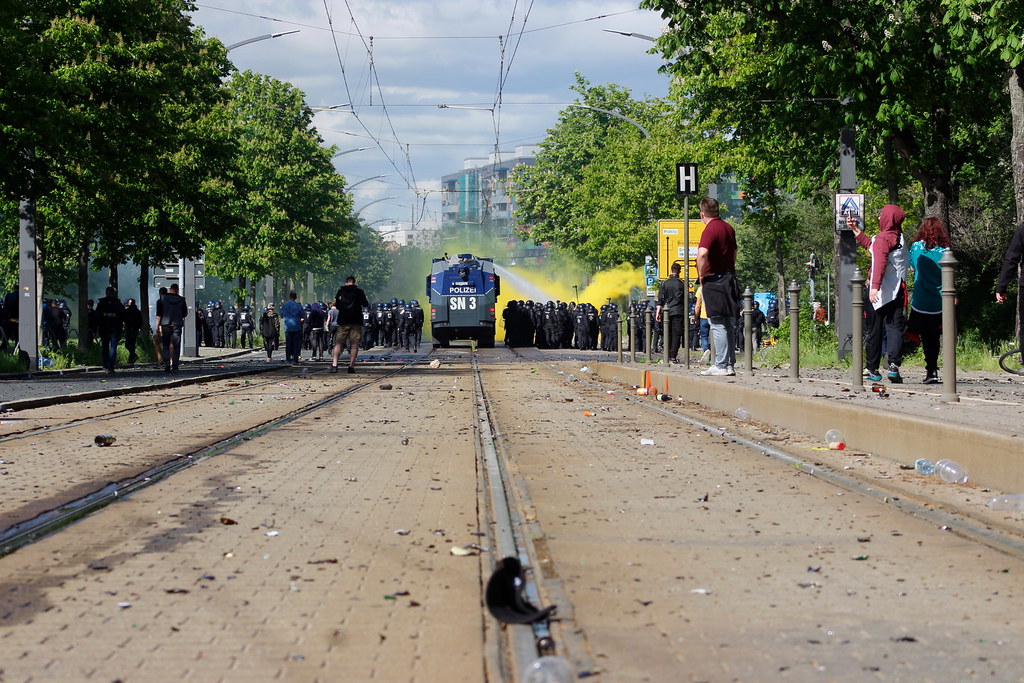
(348, 92)
(331, 29)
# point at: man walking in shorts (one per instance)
(349, 301)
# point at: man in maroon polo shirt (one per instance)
(716, 267)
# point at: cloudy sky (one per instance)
(395, 61)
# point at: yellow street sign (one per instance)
(672, 248)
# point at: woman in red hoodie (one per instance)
(887, 291)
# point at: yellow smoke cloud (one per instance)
(615, 283)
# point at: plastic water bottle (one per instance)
(742, 413)
(950, 472)
(548, 669)
(834, 439)
(1013, 501)
(924, 466)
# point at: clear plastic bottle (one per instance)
(742, 413)
(834, 439)
(1013, 501)
(548, 669)
(950, 472)
(924, 466)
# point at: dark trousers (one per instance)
(172, 345)
(108, 349)
(675, 334)
(890, 318)
(292, 346)
(929, 327)
(131, 338)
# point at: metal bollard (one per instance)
(664, 337)
(632, 338)
(948, 263)
(794, 330)
(648, 328)
(618, 339)
(857, 330)
(748, 343)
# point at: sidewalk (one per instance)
(908, 421)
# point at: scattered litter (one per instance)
(405, 441)
(809, 584)
(585, 368)
(463, 551)
(436, 363)
(402, 532)
(587, 413)
(104, 439)
(227, 521)
(329, 560)
(742, 413)
(124, 605)
(176, 591)
(646, 442)
(701, 591)
(352, 479)
(272, 533)
(386, 387)
(860, 558)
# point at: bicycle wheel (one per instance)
(1012, 361)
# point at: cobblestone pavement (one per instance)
(691, 558)
(319, 551)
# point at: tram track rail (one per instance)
(517, 532)
(50, 521)
(962, 521)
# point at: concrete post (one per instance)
(748, 344)
(948, 263)
(29, 316)
(794, 330)
(857, 330)
(618, 339)
(631, 321)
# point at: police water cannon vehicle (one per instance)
(463, 292)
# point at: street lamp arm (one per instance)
(616, 114)
(366, 180)
(382, 199)
(265, 36)
(632, 35)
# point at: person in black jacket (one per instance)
(349, 301)
(1011, 267)
(109, 323)
(132, 327)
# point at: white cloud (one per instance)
(430, 52)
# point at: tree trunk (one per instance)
(84, 338)
(1016, 83)
(144, 295)
(112, 276)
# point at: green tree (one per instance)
(785, 75)
(291, 208)
(599, 185)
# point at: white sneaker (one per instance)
(716, 371)
(732, 371)
(704, 357)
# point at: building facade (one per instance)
(475, 200)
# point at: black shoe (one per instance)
(334, 369)
(351, 370)
(932, 378)
(894, 374)
(167, 368)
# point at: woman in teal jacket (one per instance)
(930, 243)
